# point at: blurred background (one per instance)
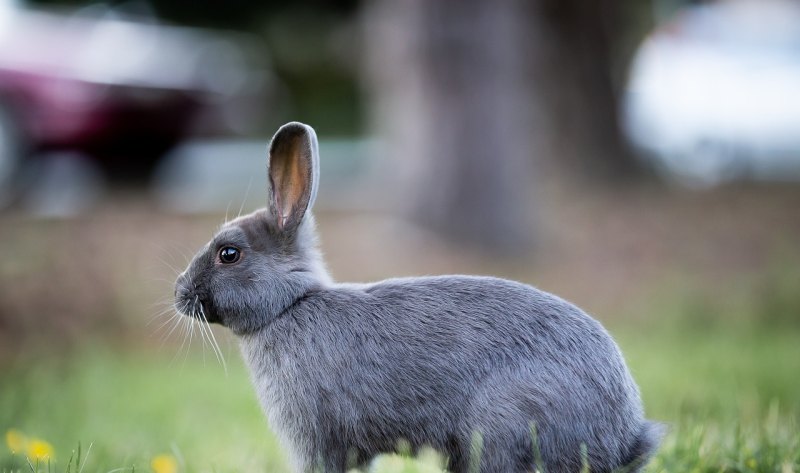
(640, 158)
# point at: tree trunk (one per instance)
(472, 97)
(450, 102)
(571, 70)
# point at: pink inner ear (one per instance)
(283, 215)
(289, 174)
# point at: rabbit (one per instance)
(495, 374)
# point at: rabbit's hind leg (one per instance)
(502, 424)
(489, 445)
(505, 450)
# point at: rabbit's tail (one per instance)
(645, 446)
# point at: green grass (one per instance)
(131, 406)
(731, 398)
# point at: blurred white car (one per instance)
(714, 94)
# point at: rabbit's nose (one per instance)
(181, 289)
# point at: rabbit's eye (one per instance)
(229, 254)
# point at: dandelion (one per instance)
(34, 448)
(16, 441)
(164, 464)
(39, 449)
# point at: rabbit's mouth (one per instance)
(197, 308)
(190, 301)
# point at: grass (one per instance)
(731, 399)
(730, 394)
(718, 360)
(132, 406)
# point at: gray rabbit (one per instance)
(495, 374)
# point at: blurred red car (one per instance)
(123, 91)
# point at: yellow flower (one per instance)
(16, 441)
(38, 449)
(164, 464)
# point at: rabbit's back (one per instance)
(435, 360)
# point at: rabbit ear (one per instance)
(293, 174)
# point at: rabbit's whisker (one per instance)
(164, 323)
(178, 319)
(175, 320)
(202, 339)
(205, 331)
(174, 270)
(171, 251)
(182, 323)
(213, 340)
(228, 207)
(159, 315)
(188, 345)
(165, 302)
(244, 200)
(196, 321)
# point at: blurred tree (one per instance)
(570, 54)
(574, 47)
(450, 101)
(470, 94)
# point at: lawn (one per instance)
(731, 398)
(710, 330)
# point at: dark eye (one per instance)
(229, 254)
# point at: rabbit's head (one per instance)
(259, 264)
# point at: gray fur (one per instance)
(345, 371)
